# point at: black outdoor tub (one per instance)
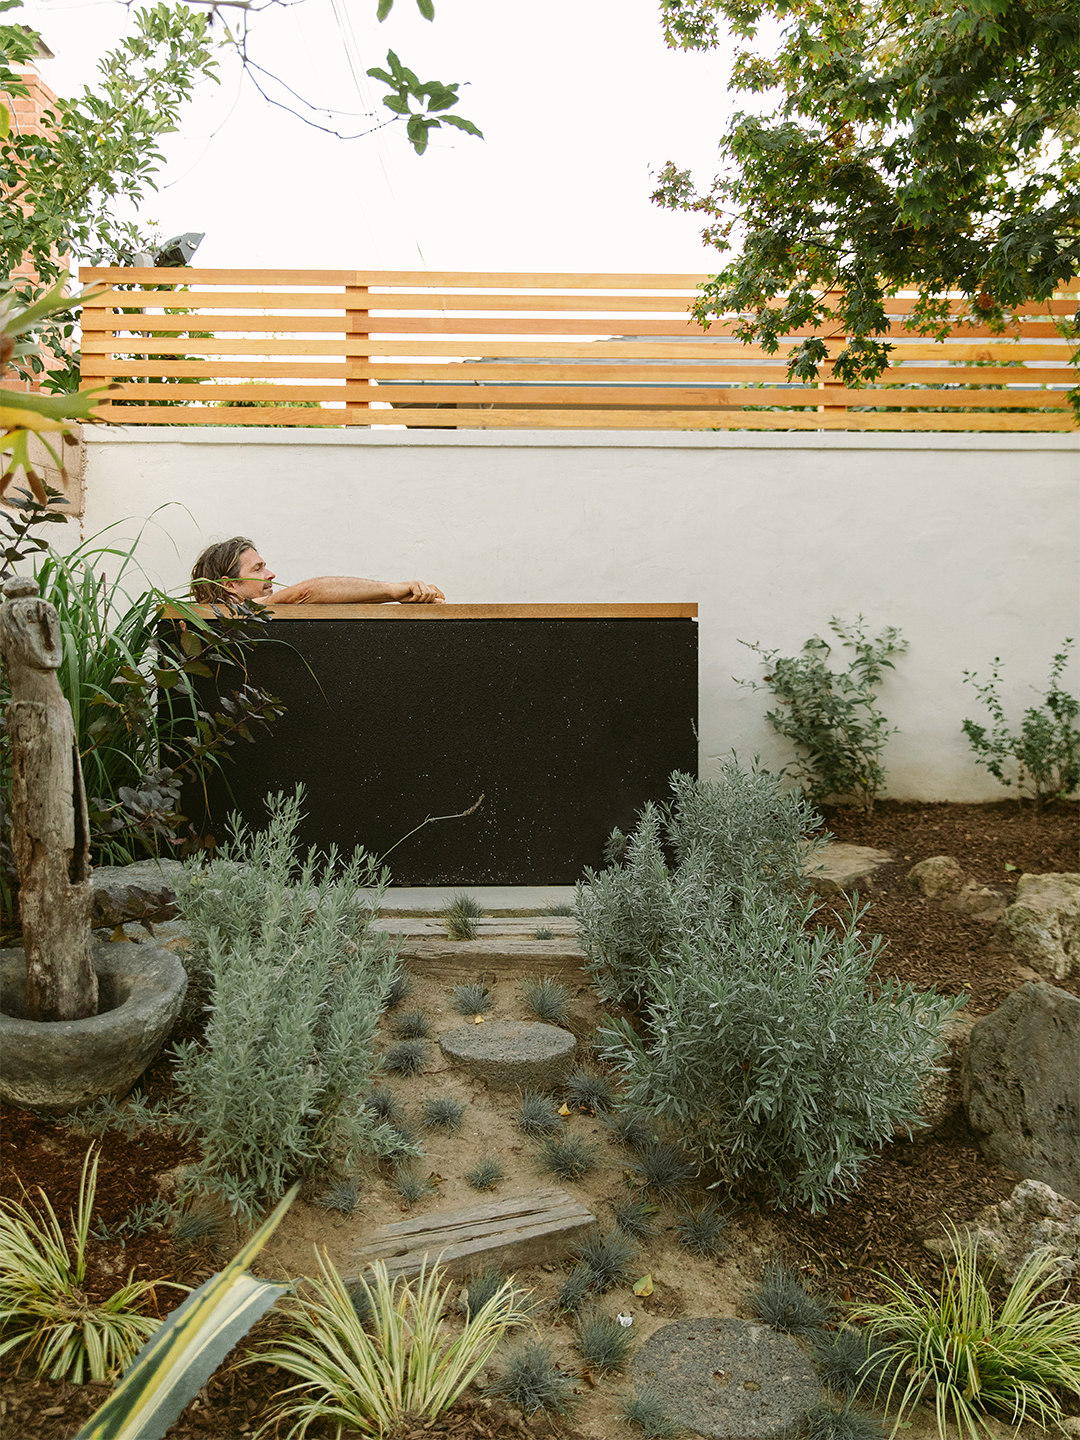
(566, 718)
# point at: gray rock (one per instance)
(839, 868)
(1043, 924)
(56, 1066)
(143, 891)
(939, 1100)
(1034, 1217)
(511, 1055)
(729, 1379)
(1022, 1086)
(977, 902)
(936, 877)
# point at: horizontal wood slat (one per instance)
(617, 396)
(471, 341)
(719, 419)
(493, 372)
(436, 279)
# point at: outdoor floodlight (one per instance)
(174, 252)
(180, 249)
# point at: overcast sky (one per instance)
(579, 101)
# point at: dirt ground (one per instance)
(901, 1199)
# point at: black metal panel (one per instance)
(567, 727)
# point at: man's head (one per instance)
(230, 570)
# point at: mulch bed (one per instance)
(900, 1200)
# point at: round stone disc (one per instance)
(729, 1379)
(511, 1055)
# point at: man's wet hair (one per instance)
(217, 563)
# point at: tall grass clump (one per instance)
(294, 979)
(767, 1046)
(531, 1380)
(43, 1300)
(141, 727)
(461, 916)
(604, 1343)
(974, 1357)
(784, 1300)
(370, 1371)
(642, 913)
(547, 997)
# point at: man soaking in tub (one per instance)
(234, 570)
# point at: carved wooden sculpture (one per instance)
(50, 831)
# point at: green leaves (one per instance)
(426, 8)
(831, 716)
(432, 96)
(1043, 755)
(981, 1359)
(932, 148)
(101, 148)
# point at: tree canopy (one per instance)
(910, 143)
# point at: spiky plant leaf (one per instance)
(191, 1343)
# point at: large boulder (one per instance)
(143, 891)
(1043, 924)
(1021, 1090)
(1033, 1217)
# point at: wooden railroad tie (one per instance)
(526, 1230)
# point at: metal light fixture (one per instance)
(170, 255)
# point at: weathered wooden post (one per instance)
(49, 823)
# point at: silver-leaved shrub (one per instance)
(294, 978)
(717, 835)
(763, 1041)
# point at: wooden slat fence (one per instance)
(527, 351)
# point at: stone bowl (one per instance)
(57, 1066)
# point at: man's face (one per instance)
(253, 578)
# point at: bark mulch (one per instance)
(901, 1198)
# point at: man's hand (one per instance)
(419, 592)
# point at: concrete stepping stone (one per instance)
(729, 1379)
(511, 1054)
(527, 1230)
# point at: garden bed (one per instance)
(901, 1199)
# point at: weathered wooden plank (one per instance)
(526, 1230)
(433, 957)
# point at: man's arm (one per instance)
(351, 590)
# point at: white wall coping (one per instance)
(580, 439)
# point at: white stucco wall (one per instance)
(967, 543)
